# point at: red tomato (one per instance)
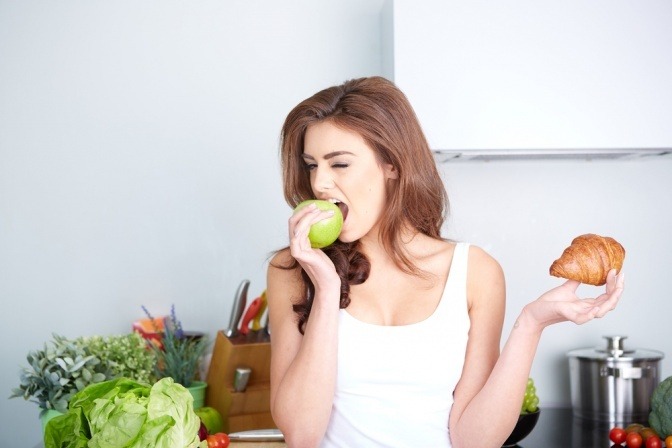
(617, 435)
(218, 440)
(654, 442)
(214, 442)
(224, 439)
(633, 440)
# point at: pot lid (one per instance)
(615, 350)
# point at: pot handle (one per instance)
(628, 373)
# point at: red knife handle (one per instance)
(249, 315)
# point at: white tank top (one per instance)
(394, 386)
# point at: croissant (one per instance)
(589, 259)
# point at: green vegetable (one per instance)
(123, 413)
(660, 418)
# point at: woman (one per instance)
(391, 336)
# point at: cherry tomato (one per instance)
(633, 440)
(617, 435)
(218, 440)
(224, 438)
(213, 441)
(654, 442)
(668, 442)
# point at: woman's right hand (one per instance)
(315, 262)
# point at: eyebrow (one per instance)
(329, 155)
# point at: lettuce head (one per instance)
(123, 413)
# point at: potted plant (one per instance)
(179, 355)
(126, 355)
(58, 371)
(66, 366)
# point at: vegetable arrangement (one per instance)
(124, 413)
(637, 435)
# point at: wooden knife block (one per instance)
(251, 408)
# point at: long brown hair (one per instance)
(377, 110)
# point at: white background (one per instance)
(138, 166)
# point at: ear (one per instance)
(390, 171)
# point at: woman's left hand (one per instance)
(562, 304)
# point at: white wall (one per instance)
(138, 158)
(138, 166)
(526, 213)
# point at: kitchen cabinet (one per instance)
(523, 75)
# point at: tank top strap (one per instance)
(456, 283)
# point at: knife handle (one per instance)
(256, 322)
(252, 310)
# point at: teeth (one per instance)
(333, 201)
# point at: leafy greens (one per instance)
(122, 413)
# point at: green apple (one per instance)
(324, 232)
(211, 418)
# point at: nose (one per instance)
(322, 179)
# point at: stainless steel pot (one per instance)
(613, 384)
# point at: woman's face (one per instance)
(344, 168)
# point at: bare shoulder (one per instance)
(482, 263)
(485, 277)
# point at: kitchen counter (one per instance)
(234, 445)
(556, 428)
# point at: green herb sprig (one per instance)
(179, 354)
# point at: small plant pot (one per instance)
(197, 390)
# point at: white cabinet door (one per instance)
(532, 74)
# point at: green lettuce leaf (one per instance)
(170, 398)
(122, 413)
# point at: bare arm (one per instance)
(498, 398)
(303, 367)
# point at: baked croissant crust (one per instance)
(589, 259)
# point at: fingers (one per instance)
(609, 300)
(301, 221)
(299, 227)
(297, 223)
